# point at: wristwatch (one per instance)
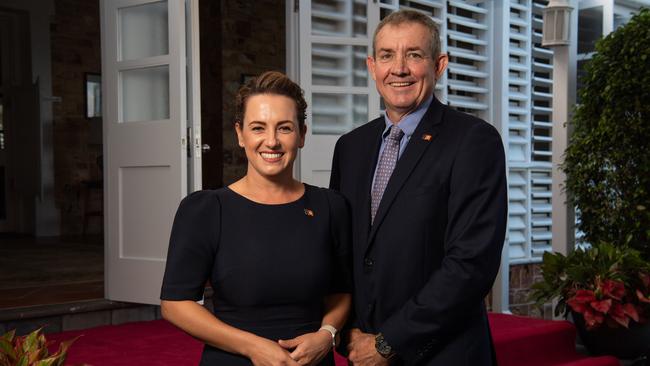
(383, 348)
(332, 331)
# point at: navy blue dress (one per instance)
(270, 265)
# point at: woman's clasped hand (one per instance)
(307, 349)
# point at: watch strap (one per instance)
(331, 330)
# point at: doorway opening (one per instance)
(51, 251)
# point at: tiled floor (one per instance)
(40, 271)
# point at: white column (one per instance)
(501, 288)
(564, 98)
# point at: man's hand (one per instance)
(362, 351)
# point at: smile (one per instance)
(400, 84)
(271, 156)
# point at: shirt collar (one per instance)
(410, 122)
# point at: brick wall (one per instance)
(75, 35)
(522, 276)
(253, 42)
(210, 35)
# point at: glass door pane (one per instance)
(143, 31)
(145, 94)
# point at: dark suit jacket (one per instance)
(423, 269)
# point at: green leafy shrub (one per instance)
(607, 161)
(30, 350)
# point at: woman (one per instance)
(275, 250)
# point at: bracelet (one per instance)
(332, 331)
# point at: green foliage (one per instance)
(607, 162)
(583, 269)
(30, 350)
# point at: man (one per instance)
(427, 189)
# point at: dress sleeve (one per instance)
(192, 247)
(341, 243)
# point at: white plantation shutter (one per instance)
(513, 43)
(339, 78)
(540, 212)
(518, 81)
(518, 214)
(526, 126)
(332, 44)
(541, 128)
(468, 41)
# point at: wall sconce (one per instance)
(557, 23)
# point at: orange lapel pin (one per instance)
(427, 137)
(309, 212)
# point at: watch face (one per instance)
(382, 346)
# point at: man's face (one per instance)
(403, 68)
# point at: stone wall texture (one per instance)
(253, 42)
(522, 277)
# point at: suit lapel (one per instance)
(367, 172)
(423, 136)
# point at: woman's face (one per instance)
(270, 135)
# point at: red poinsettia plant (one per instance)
(604, 284)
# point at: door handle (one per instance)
(205, 148)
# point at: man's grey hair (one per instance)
(411, 16)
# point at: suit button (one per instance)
(368, 262)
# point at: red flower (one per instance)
(603, 305)
(618, 314)
(642, 297)
(592, 319)
(631, 311)
(580, 301)
(613, 289)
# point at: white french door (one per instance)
(146, 82)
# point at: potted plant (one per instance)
(31, 350)
(607, 290)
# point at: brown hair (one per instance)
(411, 16)
(271, 82)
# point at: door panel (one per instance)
(145, 143)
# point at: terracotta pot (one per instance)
(628, 344)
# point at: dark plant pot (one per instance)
(627, 344)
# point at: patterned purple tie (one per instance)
(387, 162)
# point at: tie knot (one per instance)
(395, 134)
